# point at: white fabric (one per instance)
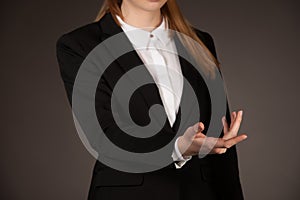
(155, 49)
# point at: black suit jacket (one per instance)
(212, 177)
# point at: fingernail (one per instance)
(241, 112)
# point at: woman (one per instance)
(188, 177)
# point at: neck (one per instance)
(147, 20)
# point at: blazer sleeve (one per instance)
(69, 60)
(70, 56)
(225, 165)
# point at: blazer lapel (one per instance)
(132, 59)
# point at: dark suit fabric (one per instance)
(212, 177)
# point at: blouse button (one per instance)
(151, 35)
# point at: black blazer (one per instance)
(212, 177)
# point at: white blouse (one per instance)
(158, 52)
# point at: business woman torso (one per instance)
(211, 177)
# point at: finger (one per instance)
(233, 141)
(232, 118)
(234, 115)
(217, 142)
(226, 129)
(218, 150)
(224, 143)
(225, 125)
(212, 142)
(236, 124)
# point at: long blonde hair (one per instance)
(177, 22)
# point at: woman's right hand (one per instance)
(193, 139)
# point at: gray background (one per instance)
(257, 43)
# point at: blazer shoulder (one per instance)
(207, 39)
(81, 40)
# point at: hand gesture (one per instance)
(193, 139)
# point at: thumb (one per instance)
(198, 127)
(193, 130)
